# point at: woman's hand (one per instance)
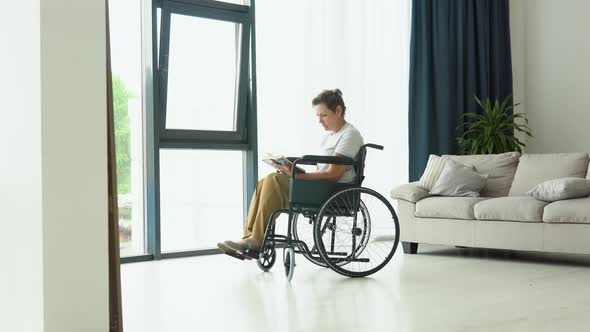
(283, 168)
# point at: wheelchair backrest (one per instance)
(359, 167)
(352, 201)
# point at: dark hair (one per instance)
(330, 98)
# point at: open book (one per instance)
(282, 160)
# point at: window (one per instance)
(126, 63)
(185, 123)
(204, 54)
(206, 154)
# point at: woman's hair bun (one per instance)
(330, 98)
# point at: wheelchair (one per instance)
(342, 226)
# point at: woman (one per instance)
(272, 192)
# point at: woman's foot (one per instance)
(243, 249)
(231, 252)
(243, 245)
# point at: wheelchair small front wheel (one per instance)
(267, 258)
(289, 261)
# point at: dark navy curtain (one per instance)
(458, 49)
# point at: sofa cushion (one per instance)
(560, 189)
(458, 180)
(510, 209)
(568, 211)
(447, 207)
(536, 168)
(409, 192)
(500, 169)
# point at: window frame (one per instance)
(192, 138)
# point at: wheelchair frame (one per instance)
(307, 197)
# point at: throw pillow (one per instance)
(459, 180)
(434, 167)
(500, 169)
(558, 189)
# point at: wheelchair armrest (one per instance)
(313, 160)
(373, 146)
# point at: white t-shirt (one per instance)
(347, 142)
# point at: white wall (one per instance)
(551, 65)
(53, 176)
(73, 83)
(21, 271)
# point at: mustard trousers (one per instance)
(271, 193)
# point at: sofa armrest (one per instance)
(409, 192)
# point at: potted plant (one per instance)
(492, 131)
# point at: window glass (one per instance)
(125, 41)
(201, 198)
(202, 73)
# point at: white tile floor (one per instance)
(440, 289)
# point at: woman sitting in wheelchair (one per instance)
(272, 192)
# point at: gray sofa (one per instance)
(504, 217)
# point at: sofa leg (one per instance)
(410, 247)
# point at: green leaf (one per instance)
(479, 102)
(503, 142)
(505, 103)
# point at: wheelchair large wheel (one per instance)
(303, 231)
(356, 232)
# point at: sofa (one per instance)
(504, 216)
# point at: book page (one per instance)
(281, 160)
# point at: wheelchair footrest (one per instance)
(251, 254)
(236, 254)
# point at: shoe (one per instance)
(243, 245)
(231, 252)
